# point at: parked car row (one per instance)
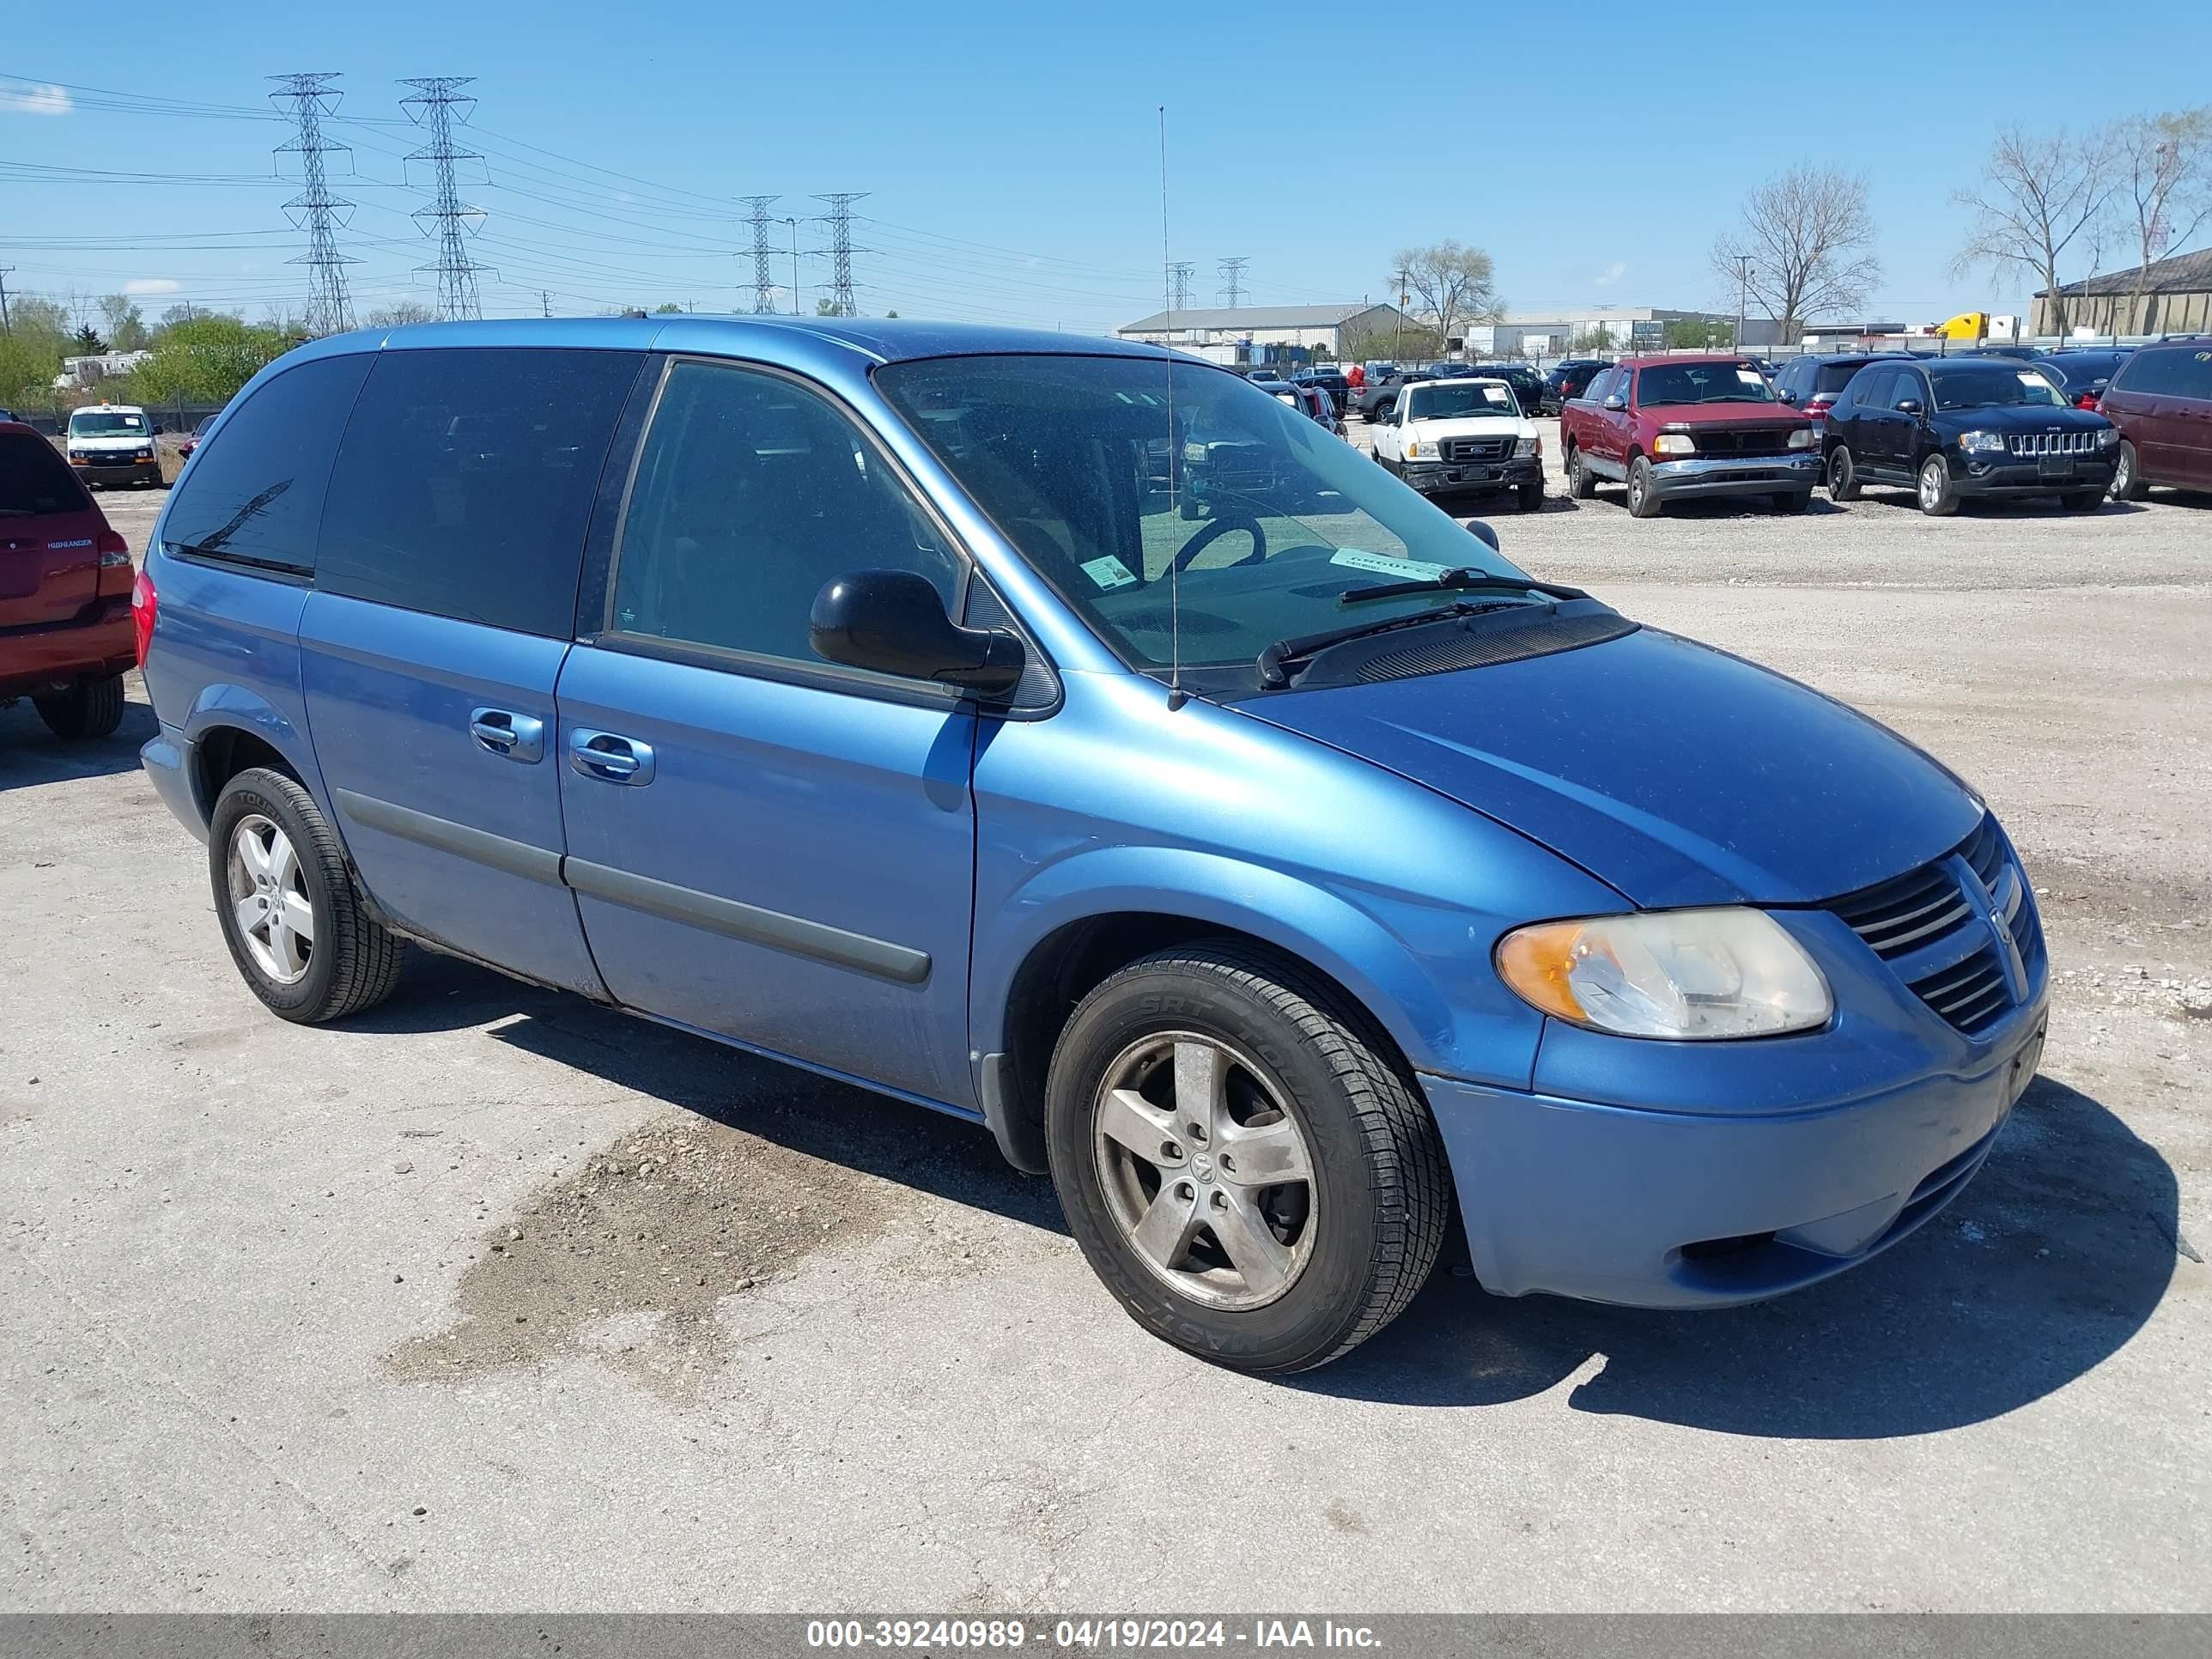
(2074, 424)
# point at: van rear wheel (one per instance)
(1240, 1160)
(296, 928)
(2127, 474)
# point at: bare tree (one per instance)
(401, 312)
(1450, 282)
(2040, 196)
(127, 327)
(2163, 164)
(1800, 252)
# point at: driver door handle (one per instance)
(610, 757)
(510, 736)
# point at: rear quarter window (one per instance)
(254, 491)
(2169, 372)
(465, 484)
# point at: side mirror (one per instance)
(893, 622)
(1908, 405)
(1787, 397)
(1616, 403)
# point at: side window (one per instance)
(1870, 387)
(255, 490)
(2147, 372)
(1602, 387)
(1911, 383)
(753, 493)
(465, 484)
(2180, 372)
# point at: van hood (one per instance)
(1675, 772)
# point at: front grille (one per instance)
(1933, 924)
(1477, 449)
(2034, 444)
(1749, 440)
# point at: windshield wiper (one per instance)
(1465, 579)
(1272, 661)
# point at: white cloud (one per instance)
(146, 286)
(1612, 274)
(34, 98)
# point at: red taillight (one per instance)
(2087, 400)
(114, 554)
(144, 602)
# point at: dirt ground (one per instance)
(496, 1300)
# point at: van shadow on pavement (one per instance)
(2055, 1255)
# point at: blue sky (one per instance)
(1011, 151)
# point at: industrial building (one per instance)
(2173, 296)
(1555, 331)
(1265, 334)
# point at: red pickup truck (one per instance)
(1673, 428)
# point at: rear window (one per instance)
(465, 484)
(254, 491)
(34, 479)
(1832, 378)
(2169, 371)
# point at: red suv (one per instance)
(66, 632)
(2161, 401)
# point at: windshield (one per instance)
(1445, 400)
(1702, 383)
(104, 423)
(1990, 385)
(1270, 516)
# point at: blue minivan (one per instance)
(1292, 882)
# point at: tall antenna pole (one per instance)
(764, 278)
(841, 250)
(436, 105)
(1232, 272)
(314, 210)
(1175, 698)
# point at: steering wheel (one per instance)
(1215, 530)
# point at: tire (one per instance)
(1939, 495)
(2083, 501)
(1582, 482)
(1531, 497)
(86, 712)
(350, 962)
(2127, 475)
(1843, 475)
(1338, 1252)
(1643, 498)
(1793, 501)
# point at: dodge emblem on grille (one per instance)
(2015, 970)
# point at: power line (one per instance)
(436, 105)
(314, 210)
(841, 250)
(1232, 272)
(763, 277)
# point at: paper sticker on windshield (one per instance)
(1109, 573)
(1751, 377)
(1497, 394)
(1382, 564)
(2029, 377)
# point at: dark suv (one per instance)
(1570, 379)
(1814, 384)
(1955, 427)
(2161, 401)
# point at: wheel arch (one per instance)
(231, 728)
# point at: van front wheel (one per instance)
(284, 899)
(1240, 1160)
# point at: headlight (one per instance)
(1528, 447)
(1982, 443)
(1679, 973)
(1673, 443)
(1194, 452)
(2108, 437)
(1802, 438)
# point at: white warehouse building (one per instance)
(1553, 331)
(1260, 334)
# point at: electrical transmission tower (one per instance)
(1232, 274)
(1180, 273)
(314, 210)
(841, 250)
(436, 105)
(764, 278)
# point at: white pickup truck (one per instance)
(1461, 436)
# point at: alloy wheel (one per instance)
(1931, 484)
(1207, 1175)
(275, 918)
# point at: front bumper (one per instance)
(2007, 475)
(1748, 475)
(1443, 477)
(106, 470)
(37, 659)
(1668, 1209)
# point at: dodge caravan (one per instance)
(1285, 882)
